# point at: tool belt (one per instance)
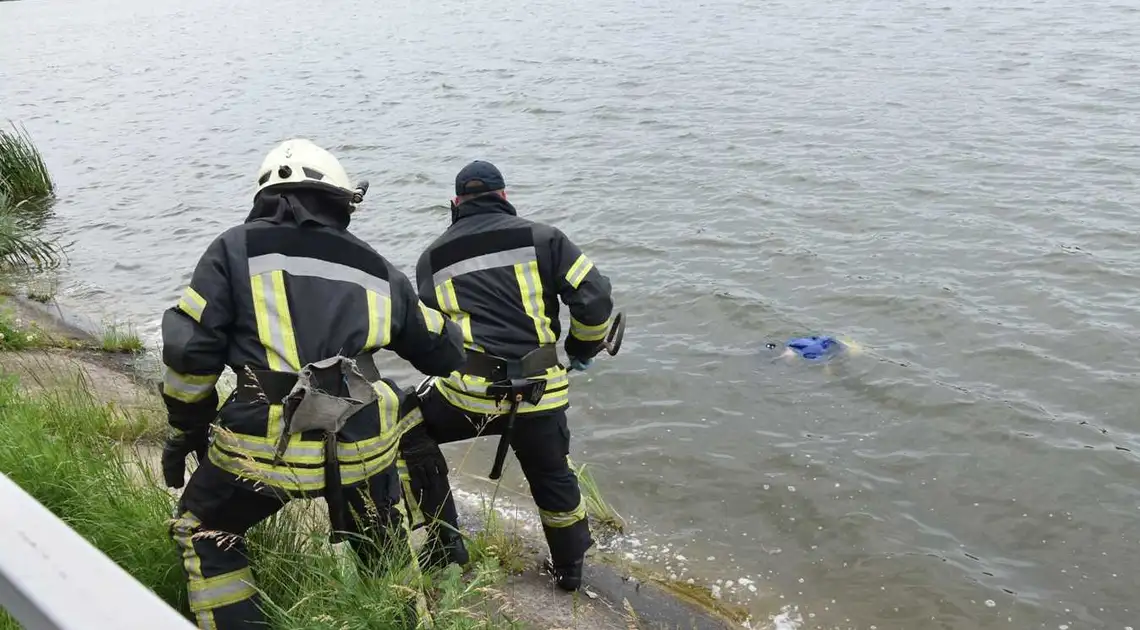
(322, 396)
(512, 380)
(271, 387)
(497, 369)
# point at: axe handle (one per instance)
(504, 442)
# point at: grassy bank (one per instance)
(24, 175)
(54, 444)
(26, 192)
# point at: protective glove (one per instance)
(174, 453)
(579, 364)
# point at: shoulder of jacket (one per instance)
(546, 233)
(232, 235)
(356, 240)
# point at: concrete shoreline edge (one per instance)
(616, 593)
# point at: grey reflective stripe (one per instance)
(486, 261)
(316, 268)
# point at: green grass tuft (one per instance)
(493, 541)
(23, 173)
(52, 446)
(596, 505)
(15, 336)
(120, 338)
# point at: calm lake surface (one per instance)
(950, 183)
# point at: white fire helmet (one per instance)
(300, 162)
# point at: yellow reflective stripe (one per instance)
(301, 452)
(221, 590)
(408, 421)
(182, 530)
(577, 272)
(379, 321)
(264, 333)
(290, 346)
(192, 303)
(417, 514)
(295, 479)
(274, 425)
(555, 378)
(474, 403)
(432, 317)
(449, 304)
(373, 321)
(530, 288)
(189, 388)
(586, 332)
(388, 407)
(559, 520)
(274, 324)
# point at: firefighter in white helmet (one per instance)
(296, 305)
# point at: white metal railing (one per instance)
(51, 578)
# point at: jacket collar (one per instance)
(299, 207)
(487, 204)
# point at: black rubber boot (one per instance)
(568, 576)
(443, 548)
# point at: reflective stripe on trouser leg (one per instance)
(541, 445)
(567, 533)
(219, 581)
(558, 520)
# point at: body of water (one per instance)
(952, 183)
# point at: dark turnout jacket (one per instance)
(500, 277)
(288, 287)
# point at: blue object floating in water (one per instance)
(815, 347)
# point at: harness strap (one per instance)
(275, 386)
(496, 369)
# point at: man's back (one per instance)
(287, 293)
(287, 288)
(500, 277)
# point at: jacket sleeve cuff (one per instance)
(191, 417)
(579, 349)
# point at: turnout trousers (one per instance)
(541, 443)
(214, 515)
